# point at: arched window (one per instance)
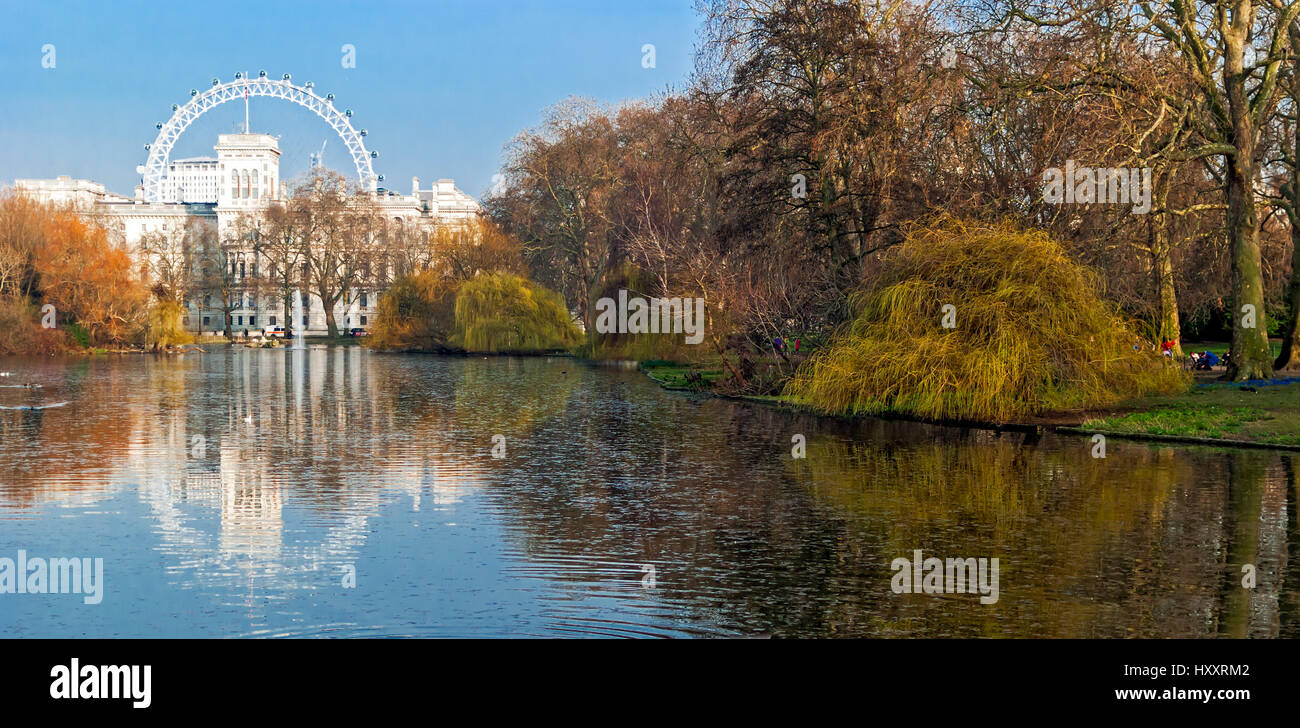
(254, 183)
(234, 183)
(243, 178)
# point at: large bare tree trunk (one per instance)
(330, 323)
(1252, 358)
(1170, 327)
(1289, 359)
(1163, 267)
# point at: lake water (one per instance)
(338, 492)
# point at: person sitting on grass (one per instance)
(1209, 360)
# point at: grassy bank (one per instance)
(673, 375)
(1257, 414)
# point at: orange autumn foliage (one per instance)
(88, 280)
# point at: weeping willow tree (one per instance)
(978, 321)
(664, 347)
(166, 325)
(504, 313)
(416, 313)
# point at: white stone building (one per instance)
(243, 178)
(192, 180)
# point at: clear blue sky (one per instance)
(440, 86)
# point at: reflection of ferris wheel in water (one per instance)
(242, 88)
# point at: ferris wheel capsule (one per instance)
(286, 77)
(147, 147)
(261, 74)
(364, 132)
(239, 75)
(329, 97)
(175, 107)
(216, 81)
(380, 178)
(309, 84)
(374, 154)
(158, 125)
(347, 113)
(194, 92)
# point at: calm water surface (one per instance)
(314, 464)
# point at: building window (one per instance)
(234, 183)
(363, 300)
(363, 320)
(241, 321)
(304, 321)
(252, 320)
(205, 320)
(241, 269)
(273, 321)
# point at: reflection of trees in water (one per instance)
(1148, 541)
(1260, 529)
(1133, 544)
(508, 395)
(684, 485)
(61, 454)
(1289, 606)
(606, 472)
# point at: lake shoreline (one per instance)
(1068, 423)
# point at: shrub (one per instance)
(416, 313)
(504, 313)
(166, 325)
(1031, 334)
(21, 331)
(639, 347)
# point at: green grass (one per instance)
(1268, 415)
(671, 374)
(1221, 347)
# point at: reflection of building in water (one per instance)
(251, 504)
